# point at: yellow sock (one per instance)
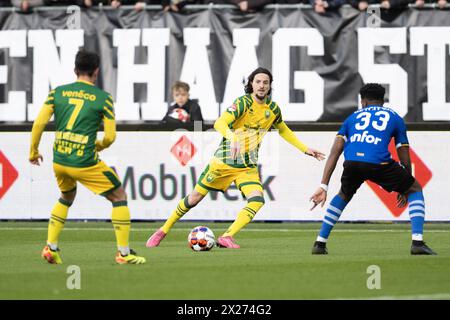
(121, 221)
(56, 222)
(245, 216)
(182, 208)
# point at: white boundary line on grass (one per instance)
(245, 230)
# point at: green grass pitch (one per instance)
(274, 262)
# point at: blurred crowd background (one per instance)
(320, 6)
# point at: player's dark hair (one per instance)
(372, 92)
(248, 87)
(86, 62)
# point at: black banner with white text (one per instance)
(319, 61)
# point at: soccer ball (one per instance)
(201, 238)
(180, 114)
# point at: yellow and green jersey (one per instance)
(79, 109)
(251, 121)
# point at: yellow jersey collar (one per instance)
(87, 82)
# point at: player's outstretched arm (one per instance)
(36, 132)
(320, 196)
(110, 134)
(290, 137)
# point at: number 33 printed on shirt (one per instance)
(383, 117)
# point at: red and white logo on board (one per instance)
(8, 174)
(184, 150)
(420, 171)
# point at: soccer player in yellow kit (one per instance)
(79, 108)
(242, 126)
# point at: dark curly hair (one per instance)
(248, 87)
(372, 91)
(86, 62)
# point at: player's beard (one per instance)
(260, 97)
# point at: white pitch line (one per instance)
(433, 296)
(245, 230)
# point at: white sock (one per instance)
(319, 238)
(417, 237)
(124, 251)
(53, 246)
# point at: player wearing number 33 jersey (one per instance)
(364, 138)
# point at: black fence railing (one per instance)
(208, 125)
(212, 6)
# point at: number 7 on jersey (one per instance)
(78, 105)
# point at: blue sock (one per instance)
(332, 215)
(416, 208)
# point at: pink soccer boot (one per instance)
(227, 242)
(155, 239)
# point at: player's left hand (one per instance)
(235, 148)
(316, 154)
(98, 146)
(37, 161)
(319, 197)
(402, 200)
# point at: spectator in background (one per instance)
(117, 3)
(421, 3)
(292, 1)
(62, 2)
(178, 5)
(322, 6)
(362, 5)
(250, 5)
(184, 109)
(92, 3)
(394, 4)
(390, 9)
(27, 5)
(139, 5)
(81, 3)
(441, 4)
